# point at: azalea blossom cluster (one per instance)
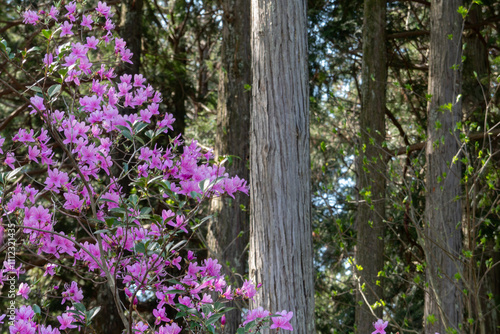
(86, 150)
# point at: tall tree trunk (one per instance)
(131, 31)
(476, 89)
(233, 138)
(280, 201)
(180, 89)
(107, 319)
(371, 167)
(443, 212)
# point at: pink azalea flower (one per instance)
(33, 153)
(92, 42)
(66, 29)
(140, 327)
(120, 46)
(24, 327)
(17, 201)
(56, 180)
(48, 59)
(206, 299)
(66, 321)
(25, 313)
(127, 55)
(49, 330)
(73, 202)
(72, 293)
(247, 290)
(50, 269)
(176, 262)
(185, 301)
(103, 9)
(180, 223)
(87, 21)
(169, 329)
(71, 7)
(109, 25)
(30, 17)
(139, 80)
(10, 160)
(380, 326)
(283, 321)
(53, 12)
(31, 193)
(37, 101)
(24, 290)
(258, 313)
(160, 316)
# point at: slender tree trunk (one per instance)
(475, 71)
(476, 83)
(107, 320)
(371, 167)
(280, 201)
(131, 32)
(180, 89)
(228, 231)
(443, 212)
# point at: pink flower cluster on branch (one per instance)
(86, 149)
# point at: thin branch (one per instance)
(13, 115)
(419, 146)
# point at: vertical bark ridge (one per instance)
(371, 168)
(442, 225)
(281, 244)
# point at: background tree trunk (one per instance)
(476, 92)
(371, 167)
(443, 212)
(131, 32)
(233, 138)
(280, 202)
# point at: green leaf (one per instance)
(134, 199)
(47, 33)
(463, 11)
(214, 318)
(140, 248)
(53, 90)
(35, 89)
(179, 244)
(171, 292)
(63, 72)
(93, 312)
(80, 307)
(36, 309)
(33, 49)
(138, 127)
(107, 200)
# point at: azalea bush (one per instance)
(63, 199)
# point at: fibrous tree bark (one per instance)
(131, 31)
(280, 216)
(443, 212)
(228, 231)
(480, 281)
(371, 167)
